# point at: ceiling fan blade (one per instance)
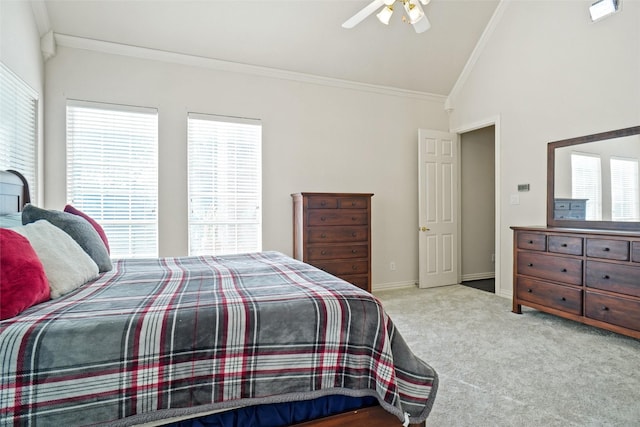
(422, 25)
(360, 16)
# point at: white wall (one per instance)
(315, 138)
(20, 48)
(549, 73)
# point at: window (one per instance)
(112, 173)
(586, 183)
(624, 190)
(225, 185)
(19, 128)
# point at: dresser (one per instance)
(332, 231)
(590, 276)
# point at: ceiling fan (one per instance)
(415, 13)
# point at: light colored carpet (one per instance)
(497, 368)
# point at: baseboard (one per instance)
(478, 276)
(393, 285)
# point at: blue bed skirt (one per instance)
(280, 414)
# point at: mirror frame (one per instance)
(567, 223)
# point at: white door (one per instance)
(438, 208)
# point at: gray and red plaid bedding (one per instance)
(172, 336)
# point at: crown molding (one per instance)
(234, 67)
(475, 54)
(41, 16)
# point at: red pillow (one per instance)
(70, 209)
(23, 282)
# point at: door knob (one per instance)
(423, 229)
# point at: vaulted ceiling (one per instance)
(302, 36)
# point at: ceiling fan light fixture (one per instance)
(603, 8)
(414, 11)
(385, 14)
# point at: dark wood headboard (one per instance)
(14, 192)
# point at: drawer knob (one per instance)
(564, 270)
(354, 267)
(530, 265)
(323, 252)
(353, 251)
(564, 245)
(323, 235)
(530, 290)
(606, 277)
(531, 242)
(606, 249)
(323, 203)
(353, 218)
(605, 308)
(563, 299)
(354, 234)
(353, 203)
(323, 218)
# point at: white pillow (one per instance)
(66, 264)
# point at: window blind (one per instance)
(112, 173)
(586, 183)
(625, 192)
(19, 128)
(225, 184)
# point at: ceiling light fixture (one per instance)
(603, 8)
(385, 14)
(415, 13)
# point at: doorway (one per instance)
(477, 208)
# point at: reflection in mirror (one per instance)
(598, 181)
(593, 181)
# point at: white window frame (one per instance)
(225, 204)
(625, 191)
(586, 182)
(19, 128)
(112, 172)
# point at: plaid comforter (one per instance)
(168, 336)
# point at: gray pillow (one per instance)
(75, 226)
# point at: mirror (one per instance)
(593, 181)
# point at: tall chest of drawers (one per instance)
(590, 276)
(332, 231)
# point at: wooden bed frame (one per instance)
(14, 194)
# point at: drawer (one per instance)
(532, 241)
(360, 280)
(578, 205)
(337, 234)
(608, 249)
(569, 204)
(611, 309)
(569, 214)
(337, 217)
(550, 267)
(560, 297)
(565, 245)
(623, 279)
(319, 202)
(337, 252)
(635, 251)
(341, 268)
(353, 202)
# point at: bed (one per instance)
(154, 339)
